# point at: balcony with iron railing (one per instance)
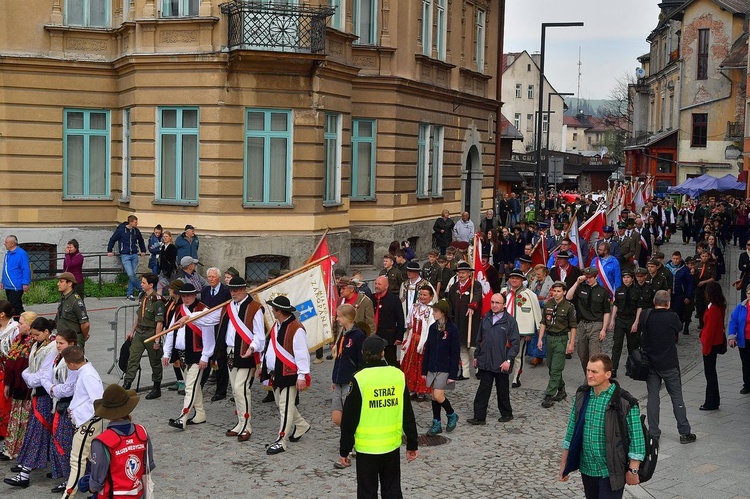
(276, 27)
(735, 130)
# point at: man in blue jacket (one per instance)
(16, 273)
(187, 243)
(683, 288)
(129, 241)
(737, 336)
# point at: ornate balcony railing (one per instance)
(275, 27)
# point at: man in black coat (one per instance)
(465, 303)
(744, 268)
(216, 293)
(389, 319)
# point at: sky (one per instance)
(613, 36)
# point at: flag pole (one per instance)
(317, 246)
(471, 291)
(263, 286)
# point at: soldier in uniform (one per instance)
(628, 247)
(664, 271)
(242, 335)
(554, 240)
(148, 322)
(656, 279)
(559, 323)
(431, 269)
(626, 311)
(593, 311)
(647, 290)
(71, 312)
(392, 273)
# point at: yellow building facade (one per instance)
(262, 124)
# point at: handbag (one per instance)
(721, 348)
(122, 359)
(637, 366)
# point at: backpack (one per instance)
(637, 366)
(124, 357)
(648, 465)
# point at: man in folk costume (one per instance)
(286, 366)
(525, 264)
(410, 288)
(242, 335)
(192, 344)
(465, 301)
(608, 268)
(523, 305)
(564, 271)
(389, 319)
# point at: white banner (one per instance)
(307, 293)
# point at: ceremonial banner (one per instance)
(327, 266)
(307, 292)
(480, 277)
(575, 241)
(539, 254)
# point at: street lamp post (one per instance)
(538, 184)
(549, 121)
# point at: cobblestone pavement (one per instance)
(517, 459)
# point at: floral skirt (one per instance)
(4, 407)
(19, 418)
(64, 431)
(35, 450)
(411, 364)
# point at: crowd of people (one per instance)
(428, 319)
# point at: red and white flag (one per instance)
(480, 276)
(327, 267)
(592, 228)
(575, 240)
(539, 254)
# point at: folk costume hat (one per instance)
(464, 266)
(525, 259)
(282, 303)
(516, 273)
(563, 254)
(116, 402)
(413, 266)
(237, 282)
(188, 289)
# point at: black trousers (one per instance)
(15, 297)
(482, 398)
(382, 468)
(599, 488)
(222, 375)
(713, 398)
(745, 358)
(390, 356)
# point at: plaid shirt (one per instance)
(594, 451)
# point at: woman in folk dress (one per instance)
(418, 324)
(8, 333)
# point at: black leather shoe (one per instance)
(4, 457)
(127, 384)
(548, 402)
(176, 423)
(275, 448)
(329, 357)
(193, 422)
(476, 422)
(504, 419)
(155, 392)
(744, 391)
(296, 438)
(269, 398)
(461, 377)
(17, 481)
(16, 469)
(516, 384)
(560, 395)
(217, 397)
(59, 489)
(49, 475)
(704, 408)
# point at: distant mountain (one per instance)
(589, 107)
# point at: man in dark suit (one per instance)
(564, 271)
(389, 319)
(216, 293)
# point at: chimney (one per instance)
(537, 58)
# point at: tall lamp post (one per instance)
(549, 121)
(538, 183)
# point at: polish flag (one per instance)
(480, 276)
(639, 201)
(594, 224)
(539, 254)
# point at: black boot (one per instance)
(126, 384)
(686, 329)
(155, 392)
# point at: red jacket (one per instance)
(713, 328)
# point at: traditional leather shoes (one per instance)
(296, 438)
(192, 421)
(59, 489)
(274, 448)
(231, 433)
(244, 436)
(176, 423)
(17, 481)
(216, 398)
(476, 422)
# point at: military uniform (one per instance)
(628, 301)
(628, 247)
(647, 294)
(558, 319)
(658, 281)
(395, 279)
(591, 305)
(151, 311)
(667, 275)
(71, 313)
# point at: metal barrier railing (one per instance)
(121, 325)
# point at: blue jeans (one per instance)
(130, 265)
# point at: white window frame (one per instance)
(430, 147)
(519, 90)
(268, 135)
(530, 92)
(183, 9)
(86, 8)
(126, 143)
(517, 121)
(545, 123)
(338, 20)
(427, 7)
(180, 132)
(441, 29)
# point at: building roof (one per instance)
(737, 57)
(731, 6)
(507, 130)
(573, 121)
(510, 58)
